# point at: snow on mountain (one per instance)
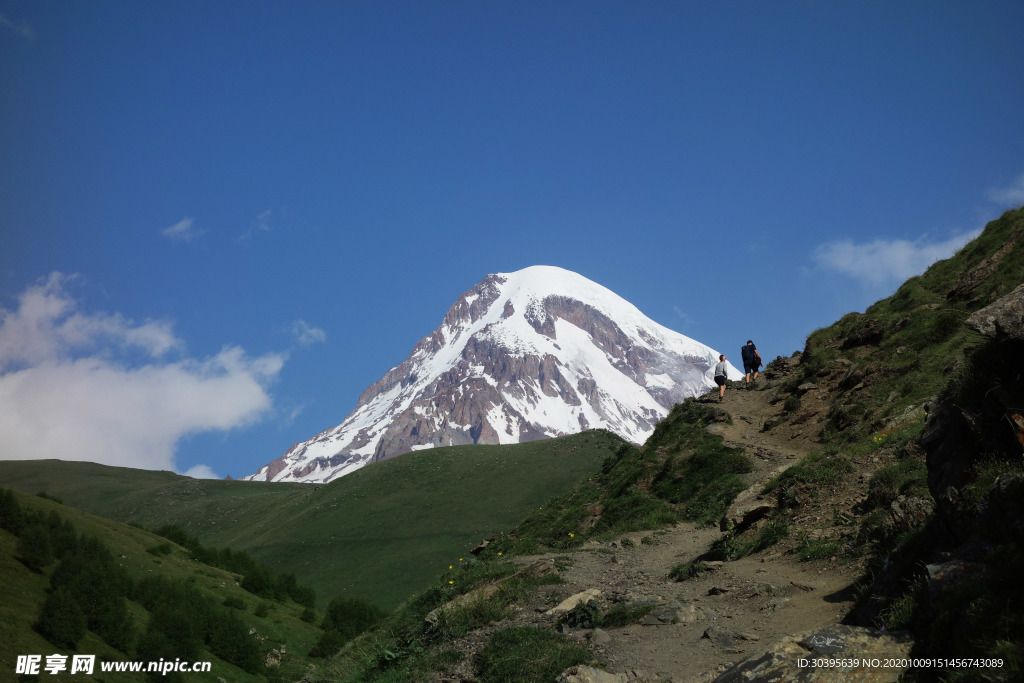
(521, 356)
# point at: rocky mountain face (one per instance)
(521, 356)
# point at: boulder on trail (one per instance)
(570, 602)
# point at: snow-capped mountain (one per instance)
(537, 353)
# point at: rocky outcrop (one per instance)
(538, 568)
(1003, 319)
(983, 272)
(859, 653)
(573, 600)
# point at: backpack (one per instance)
(748, 353)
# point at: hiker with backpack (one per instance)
(751, 361)
(721, 375)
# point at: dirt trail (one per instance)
(723, 615)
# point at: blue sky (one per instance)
(221, 221)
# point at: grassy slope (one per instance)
(682, 472)
(923, 340)
(25, 591)
(381, 533)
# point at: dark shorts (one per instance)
(750, 367)
(720, 381)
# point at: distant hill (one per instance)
(263, 624)
(380, 535)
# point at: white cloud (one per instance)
(682, 315)
(1010, 196)
(886, 262)
(47, 326)
(307, 335)
(182, 230)
(200, 472)
(260, 225)
(68, 392)
(22, 29)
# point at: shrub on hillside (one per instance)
(257, 578)
(34, 547)
(344, 619)
(184, 620)
(12, 518)
(62, 621)
(100, 585)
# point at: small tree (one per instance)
(35, 548)
(11, 516)
(62, 621)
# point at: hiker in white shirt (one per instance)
(721, 374)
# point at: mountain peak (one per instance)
(532, 354)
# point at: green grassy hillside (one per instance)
(381, 533)
(905, 349)
(26, 589)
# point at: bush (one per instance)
(583, 615)
(328, 645)
(687, 571)
(228, 638)
(528, 654)
(62, 621)
(100, 586)
(11, 516)
(344, 619)
(771, 533)
(35, 548)
(184, 619)
(160, 549)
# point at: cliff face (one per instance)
(521, 356)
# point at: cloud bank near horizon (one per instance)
(880, 263)
(98, 387)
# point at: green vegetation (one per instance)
(687, 570)
(886, 364)
(258, 579)
(811, 550)
(408, 646)
(825, 467)
(528, 654)
(732, 546)
(902, 350)
(381, 533)
(114, 599)
(344, 619)
(588, 615)
(682, 472)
